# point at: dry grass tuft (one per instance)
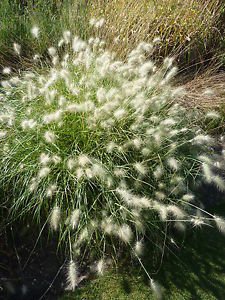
(205, 92)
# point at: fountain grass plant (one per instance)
(101, 150)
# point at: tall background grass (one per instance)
(192, 31)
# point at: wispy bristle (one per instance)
(17, 48)
(156, 289)
(55, 218)
(72, 275)
(139, 248)
(35, 31)
(220, 223)
(100, 267)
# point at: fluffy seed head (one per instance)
(140, 167)
(51, 190)
(100, 267)
(188, 197)
(220, 223)
(108, 226)
(56, 159)
(49, 137)
(207, 172)
(35, 31)
(6, 71)
(71, 163)
(43, 172)
(173, 163)
(17, 48)
(158, 172)
(219, 182)
(28, 124)
(175, 211)
(160, 195)
(67, 36)
(74, 219)
(213, 115)
(125, 233)
(197, 221)
(72, 275)
(156, 289)
(52, 51)
(3, 134)
(139, 248)
(55, 218)
(44, 159)
(202, 139)
(83, 160)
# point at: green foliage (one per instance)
(52, 17)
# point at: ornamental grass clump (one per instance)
(101, 150)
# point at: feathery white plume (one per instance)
(140, 168)
(51, 190)
(207, 172)
(156, 289)
(72, 275)
(35, 32)
(55, 218)
(158, 172)
(43, 172)
(213, 115)
(188, 197)
(74, 219)
(67, 36)
(139, 248)
(173, 163)
(2, 134)
(49, 137)
(220, 223)
(52, 51)
(17, 48)
(125, 233)
(6, 70)
(219, 182)
(44, 159)
(100, 267)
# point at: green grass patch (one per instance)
(52, 17)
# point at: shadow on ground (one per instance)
(196, 271)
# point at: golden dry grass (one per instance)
(205, 92)
(188, 29)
